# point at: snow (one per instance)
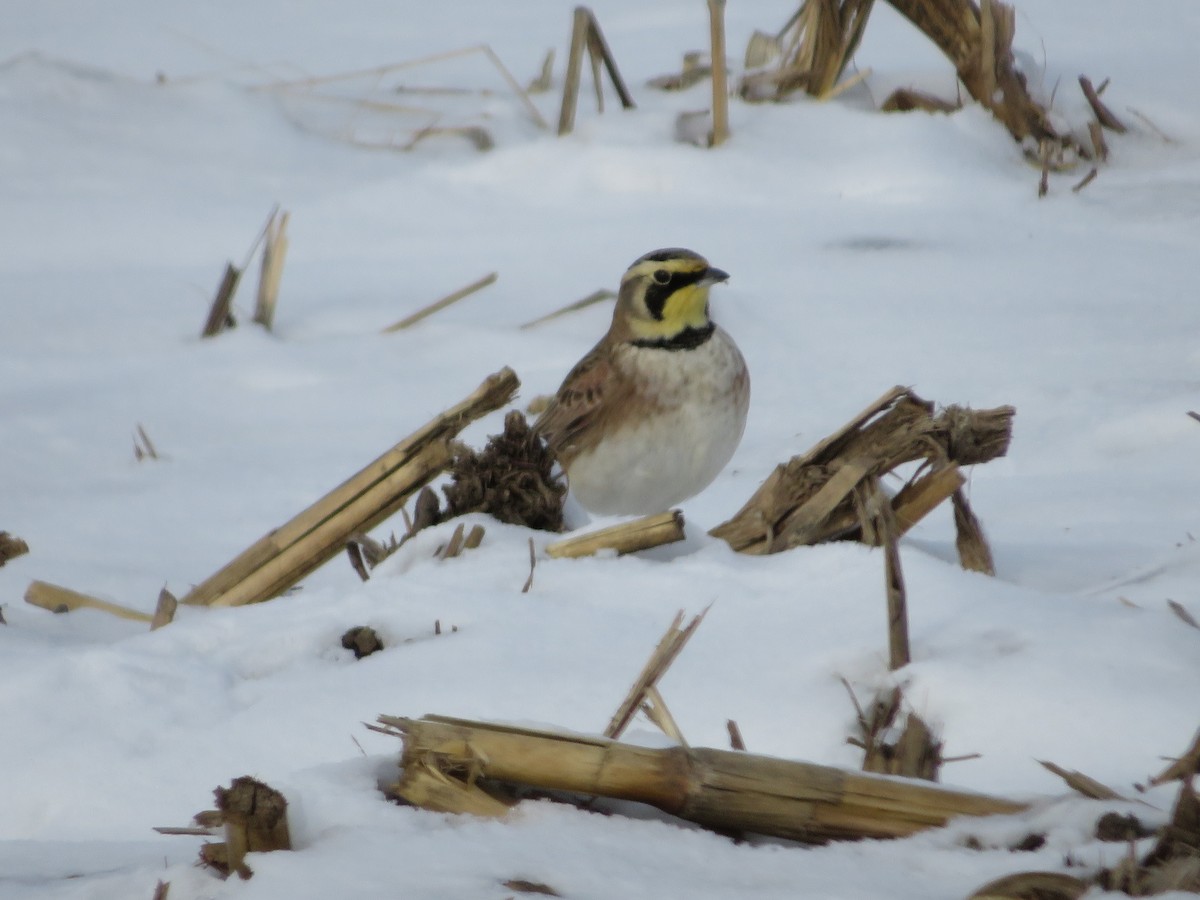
(866, 250)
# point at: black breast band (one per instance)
(688, 339)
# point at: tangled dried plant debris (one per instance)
(512, 479)
(895, 742)
(11, 547)
(255, 818)
(1173, 864)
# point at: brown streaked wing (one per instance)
(591, 391)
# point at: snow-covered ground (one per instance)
(866, 250)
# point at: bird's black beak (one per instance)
(713, 275)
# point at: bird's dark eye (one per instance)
(661, 276)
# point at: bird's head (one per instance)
(664, 294)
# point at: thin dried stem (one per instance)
(438, 305)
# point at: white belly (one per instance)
(659, 460)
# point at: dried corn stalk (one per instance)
(287, 554)
(819, 496)
(978, 39)
(454, 765)
(814, 48)
(817, 43)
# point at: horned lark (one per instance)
(650, 416)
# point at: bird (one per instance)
(650, 416)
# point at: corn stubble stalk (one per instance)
(1184, 767)
(834, 491)
(143, 447)
(978, 39)
(720, 789)
(815, 47)
(720, 89)
(274, 252)
(880, 529)
(586, 36)
(819, 40)
(287, 554)
(818, 496)
(59, 599)
(164, 610)
(1104, 115)
(1040, 885)
(1082, 783)
(220, 314)
(644, 691)
(627, 537)
(545, 77)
